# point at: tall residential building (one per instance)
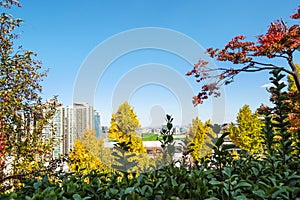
(70, 128)
(79, 118)
(56, 130)
(69, 123)
(84, 118)
(97, 124)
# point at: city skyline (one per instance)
(70, 122)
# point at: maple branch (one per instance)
(281, 56)
(271, 67)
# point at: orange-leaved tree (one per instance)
(280, 41)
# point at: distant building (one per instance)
(70, 128)
(97, 124)
(79, 118)
(69, 123)
(104, 132)
(56, 130)
(84, 118)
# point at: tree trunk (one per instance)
(297, 79)
(295, 74)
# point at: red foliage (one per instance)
(279, 41)
(296, 15)
(2, 151)
(294, 111)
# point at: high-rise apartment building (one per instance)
(97, 124)
(56, 130)
(79, 118)
(69, 124)
(84, 118)
(69, 128)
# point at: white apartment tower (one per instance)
(79, 118)
(68, 124)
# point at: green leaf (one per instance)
(129, 190)
(277, 192)
(214, 182)
(260, 193)
(241, 197)
(76, 197)
(181, 187)
(227, 171)
(37, 184)
(242, 184)
(168, 117)
(113, 191)
(255, 171)
(169, 126)
(221, 139)
(228, 146)
(174, 183)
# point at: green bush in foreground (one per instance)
(272, 175)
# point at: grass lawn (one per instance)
(153, 137)
(149, 136)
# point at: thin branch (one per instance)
(281, 56)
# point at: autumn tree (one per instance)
(247, 133)
(82, 160)
(279, 42)
(23, 114)
(123, 127)
(200, 136)
(96, 147)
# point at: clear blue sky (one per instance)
(63, 33)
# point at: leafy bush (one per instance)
(275, 174)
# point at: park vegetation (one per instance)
(267, 165)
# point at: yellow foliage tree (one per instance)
(200, 135)
(123, 127)
(82, 160)
(96, 146)
(247, 134)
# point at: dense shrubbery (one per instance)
(275, 174)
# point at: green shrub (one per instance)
(273, 175)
